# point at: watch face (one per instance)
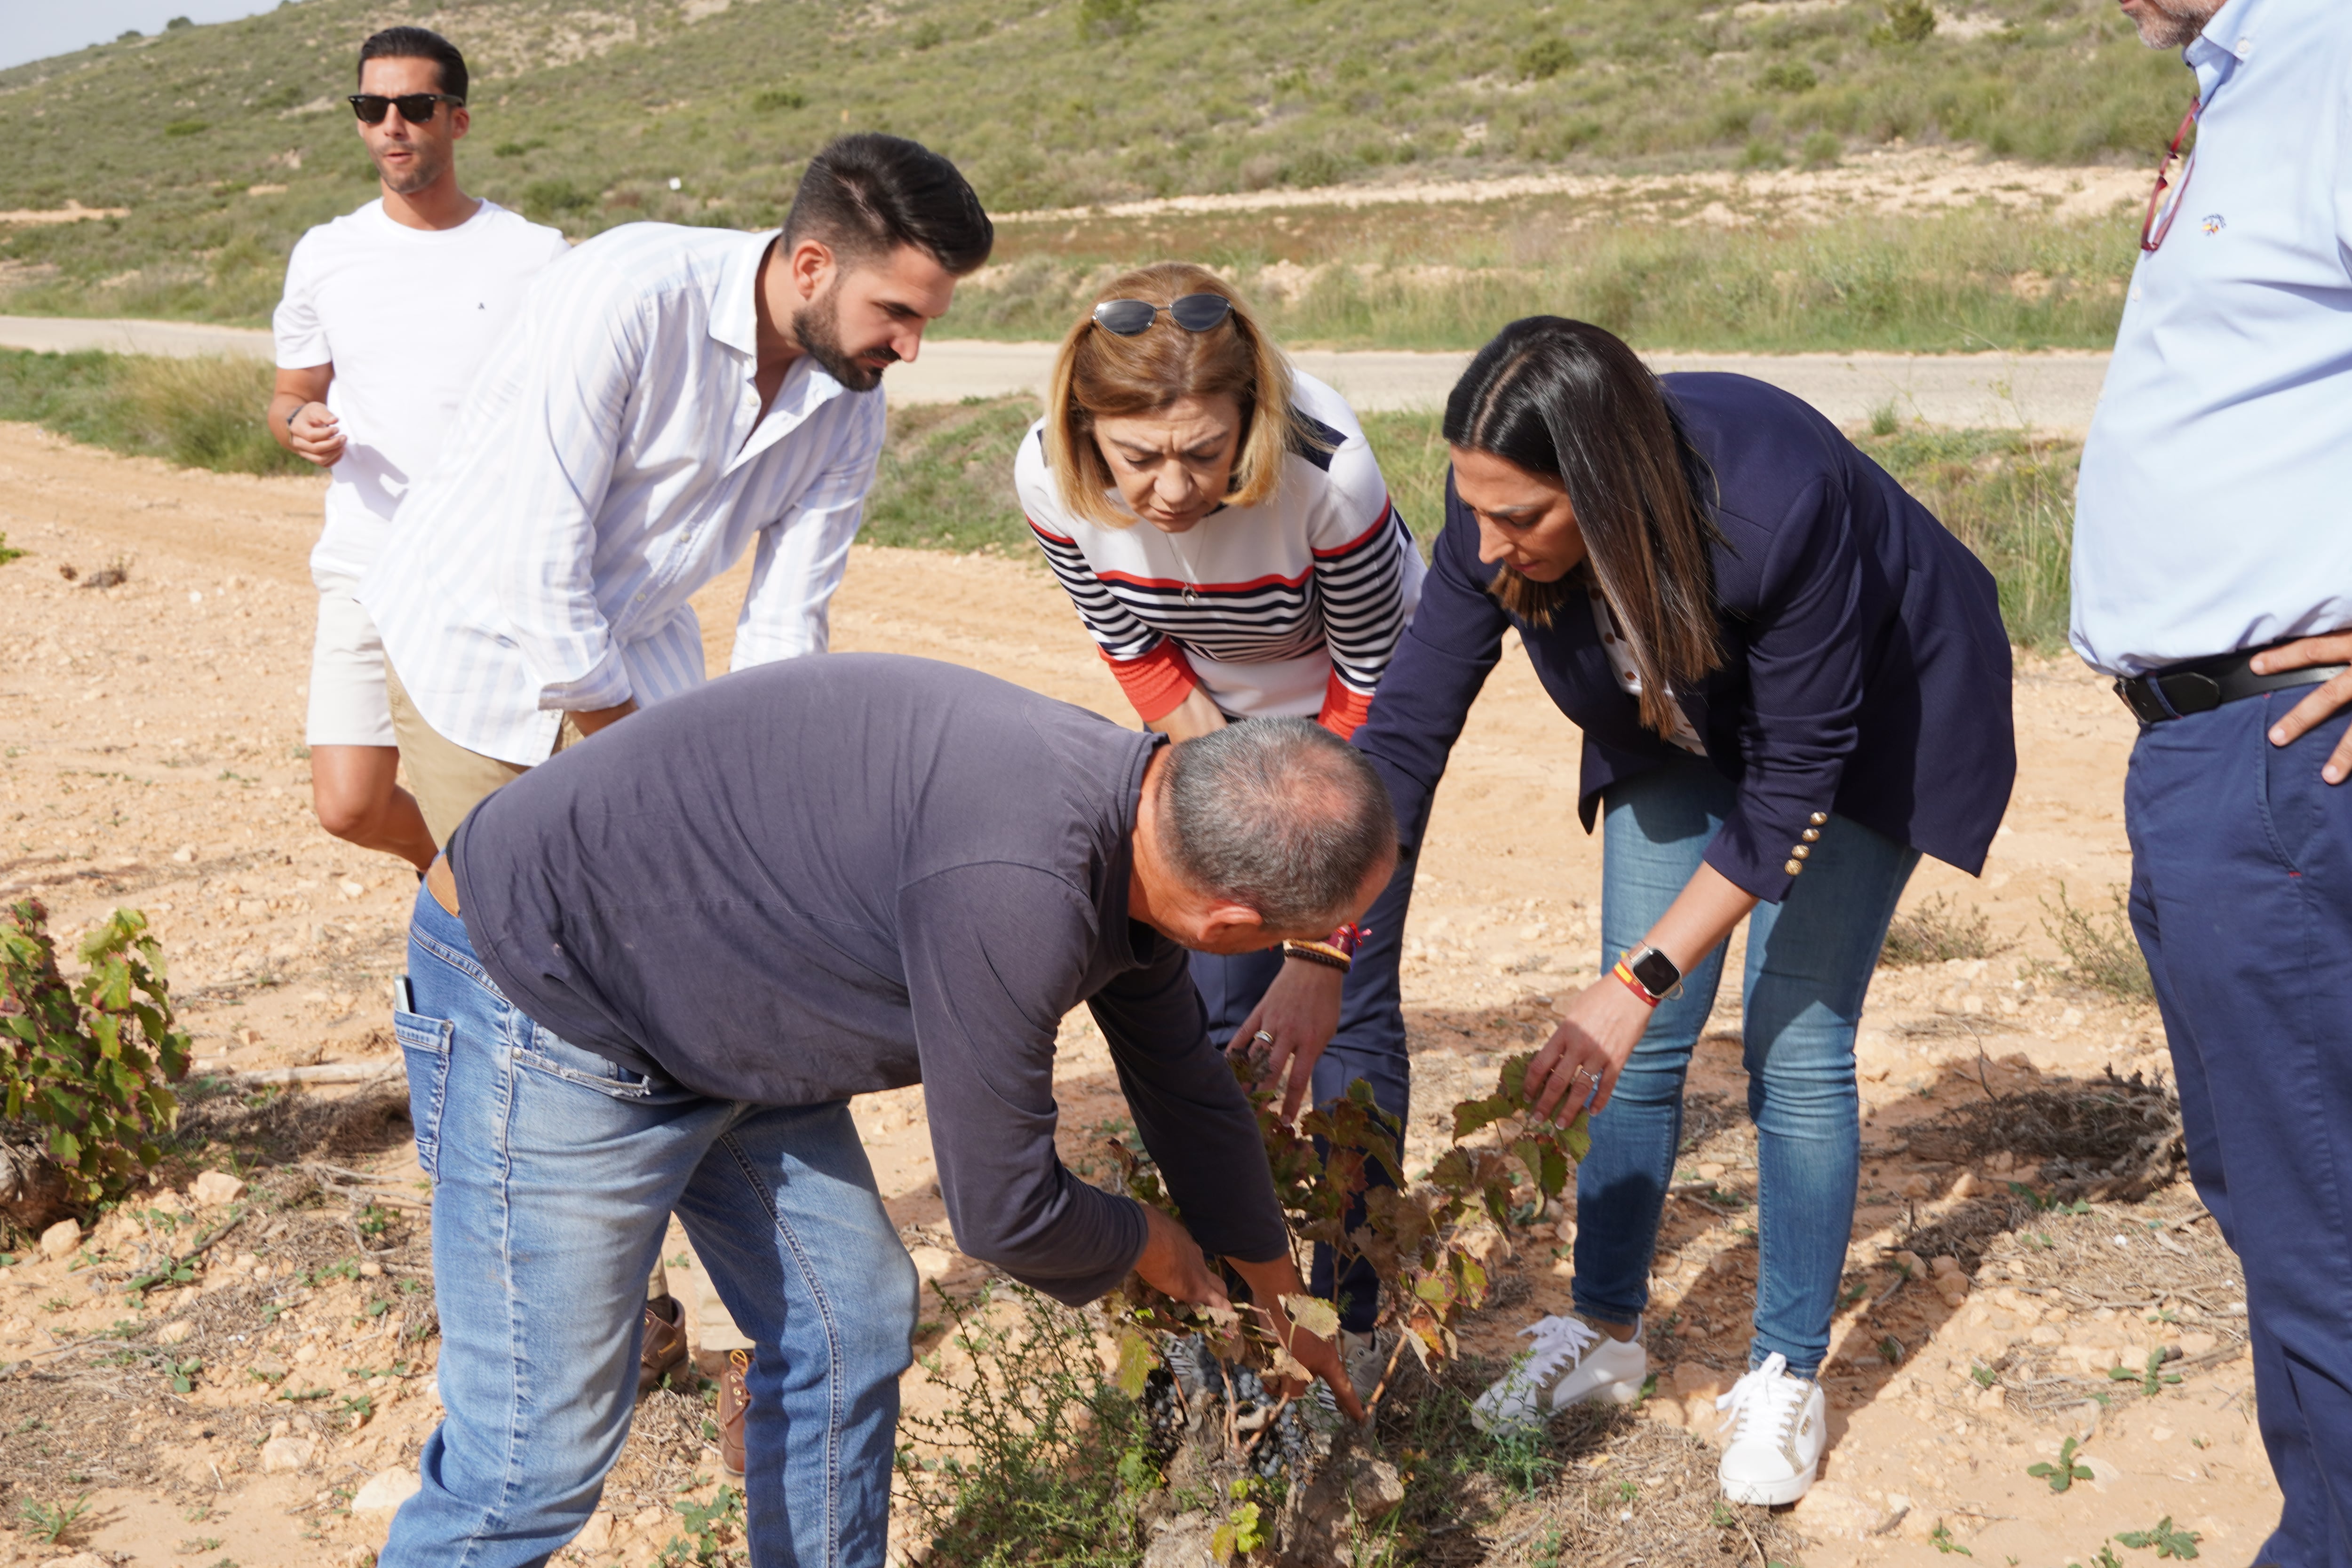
(1656, 972)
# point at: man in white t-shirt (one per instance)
(388, 312)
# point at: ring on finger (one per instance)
(1262, 1039)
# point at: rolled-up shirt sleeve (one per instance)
(1805, 690)
(582, 341)
(993, 956)
(802, 556)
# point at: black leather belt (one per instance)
(2202, 685)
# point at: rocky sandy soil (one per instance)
(152, 733)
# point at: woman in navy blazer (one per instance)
(1793, 681)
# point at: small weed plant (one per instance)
(2101, 951)
(49, 1522)
(1938, 930)
(89, 1063)
(2063, 1475)
(715, 1531)
(2168, 1540)
(2151, 1378)
(1038, 1458)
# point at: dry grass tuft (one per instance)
(1936, 930)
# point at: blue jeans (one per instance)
(1810, 959)
(554, 1172)
(1368, 1044)
(2241, 897)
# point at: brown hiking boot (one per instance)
(734, 1399)
(664, 1343)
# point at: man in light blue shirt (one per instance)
(2213, 577)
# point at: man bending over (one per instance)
(649, 975)
(670, 398)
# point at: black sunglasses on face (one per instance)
(1133, 318)
(416, 108)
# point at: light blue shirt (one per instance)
(2215, 506)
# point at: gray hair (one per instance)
(1278, 814)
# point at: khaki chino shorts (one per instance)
(447, 779)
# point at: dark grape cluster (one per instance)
(1291, 1450)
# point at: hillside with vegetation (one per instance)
(222, 143)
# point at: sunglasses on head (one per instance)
(416, 108)
(1133, 318)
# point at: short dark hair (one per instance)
(866, 194)
(419, 44)
(1573, 402)
(1279, 814)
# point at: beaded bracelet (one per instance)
(1322, 953)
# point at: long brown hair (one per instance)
(1568, 400)
(1098, 374)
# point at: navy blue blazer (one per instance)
(1865, 670)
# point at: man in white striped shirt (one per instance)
(670, 397)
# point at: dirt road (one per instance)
(152, 742)
(2052, 392)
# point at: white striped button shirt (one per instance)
(610, 462)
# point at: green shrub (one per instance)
(556, 198)
(186, 127)
(1907, 22)
(1822, 150)
(1788, 76)
(929, 36)
(1109, 18)
(1546, 58)
(89, 1061)
(768, 100)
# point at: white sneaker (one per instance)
(1570, 1362)
(1366, 1357)
(1778, 1426)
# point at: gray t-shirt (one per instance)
(828, 876)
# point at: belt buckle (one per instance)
(2140, 695)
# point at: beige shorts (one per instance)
(447, 779)
(348, 707)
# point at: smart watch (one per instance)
(1655, 970)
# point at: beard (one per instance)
(818, 327)
(428, 165)
(2172, 24)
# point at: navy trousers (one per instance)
(2241, 895)
(1368, 1044)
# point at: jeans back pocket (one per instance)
(425, 1051)
(550, 1053)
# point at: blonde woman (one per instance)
(1223, 530)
